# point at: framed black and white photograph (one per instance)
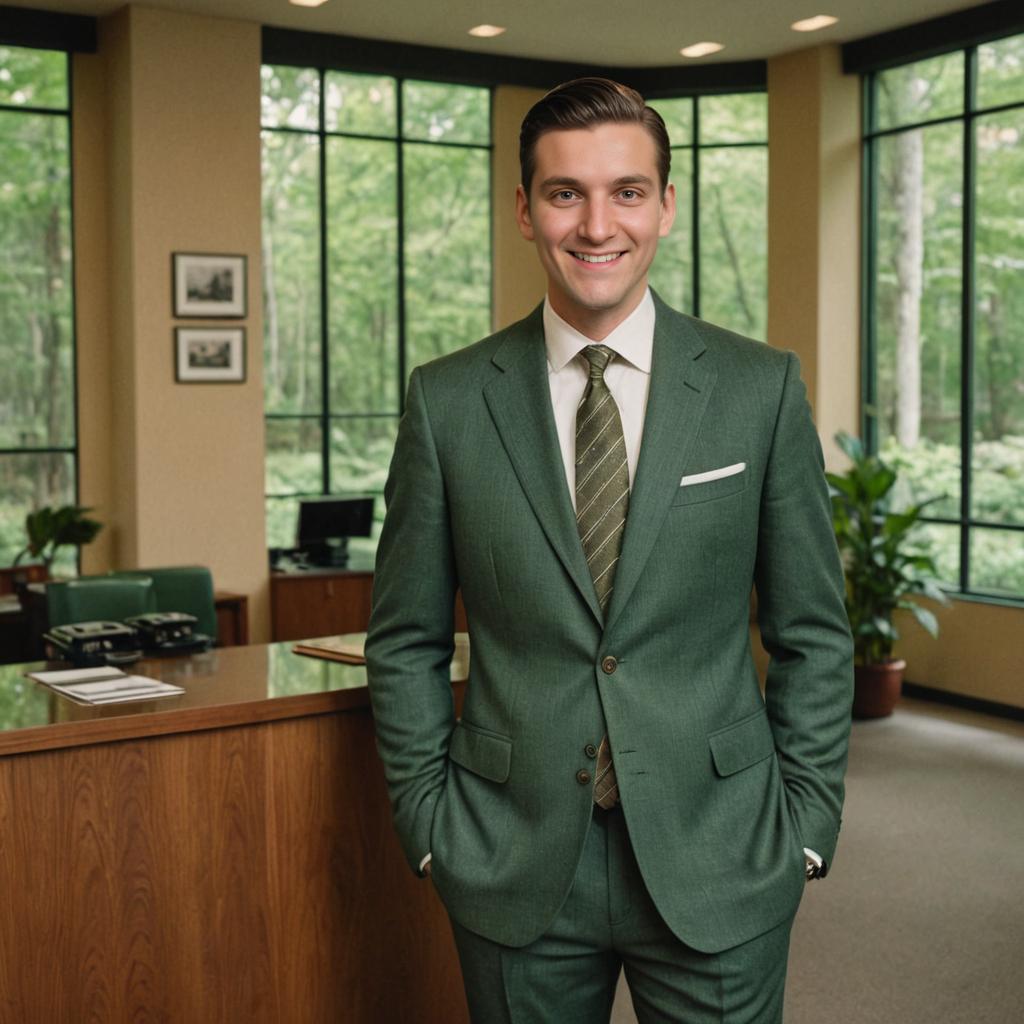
(208, 284)
(209, 355)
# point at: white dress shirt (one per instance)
(628, 377)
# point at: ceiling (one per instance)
(605, 32)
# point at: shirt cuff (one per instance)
(429, 857)
(815, 864)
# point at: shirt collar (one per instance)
(632, 340)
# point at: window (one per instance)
(37, 369)
(376, 258)
(944, 345)
(714, 263)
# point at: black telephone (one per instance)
(169, 633)
(86, 644)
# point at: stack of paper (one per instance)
(103, 685)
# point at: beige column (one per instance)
(519, 281)
(814, 230)
(175, 470)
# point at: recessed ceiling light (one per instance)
(701, 49)
(486, 31)
(813, 24)
(307, 3)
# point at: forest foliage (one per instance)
(36, 343)
(919, 299)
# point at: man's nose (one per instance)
(598, 223)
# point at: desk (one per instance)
(222, 856)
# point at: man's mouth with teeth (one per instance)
(587, 257)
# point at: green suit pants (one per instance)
(607, 923)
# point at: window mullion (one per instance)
(325, 360)
(400, 241)
(869, 260)
(695, 210)
(967, 316)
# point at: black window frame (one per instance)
(695, 147)
(324, 415)
(963, 32)
(56, 33)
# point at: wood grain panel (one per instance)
(305, 605)
(324, 603)
(238, 874)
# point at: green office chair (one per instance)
(182, 588)
(99, 598)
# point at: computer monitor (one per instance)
(325, 525)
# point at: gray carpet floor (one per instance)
(921, 920)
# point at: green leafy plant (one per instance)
(884, 561)
(50, 528)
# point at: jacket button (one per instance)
(609, 664)
(590, 750)
(583, 776)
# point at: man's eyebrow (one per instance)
(561, 183)
(575, 183)
(632, 179)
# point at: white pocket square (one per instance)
(713, 474)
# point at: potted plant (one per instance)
(50, 528)
(885, 566)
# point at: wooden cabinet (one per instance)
(232, 618)
(325, 602)
(319, 602)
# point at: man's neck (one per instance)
(595, 324)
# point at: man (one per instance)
(605, 481)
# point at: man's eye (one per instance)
(565, 195)
(629, 194)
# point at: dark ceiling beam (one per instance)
(934, 37)
(375, 56)
(45, 30)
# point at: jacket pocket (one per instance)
(692, 494)
(742, 744)
(485, 753)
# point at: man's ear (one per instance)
(523, 214)
(668, 210)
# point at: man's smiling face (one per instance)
(595, 212)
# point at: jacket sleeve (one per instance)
(410, 641)
(803, 622)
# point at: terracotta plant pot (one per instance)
(876, 688)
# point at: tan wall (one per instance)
(814, 230)
(978, 652)
(176, 98)
(519, 282)
(89, 127)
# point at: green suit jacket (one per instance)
(721, 788)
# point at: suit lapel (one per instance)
(681, 383)
(519, 400)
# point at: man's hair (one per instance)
(585, 103)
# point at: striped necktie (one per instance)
(602, 500)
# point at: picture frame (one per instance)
(209, 355)
(208, 285)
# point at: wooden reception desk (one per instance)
(222, 856)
